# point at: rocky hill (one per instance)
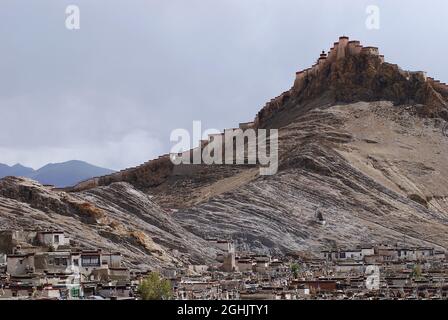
(117, 217)
(360, 142)
(375, 171)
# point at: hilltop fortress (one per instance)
(347, 73)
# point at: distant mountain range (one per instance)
(58, 174)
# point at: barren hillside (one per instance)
(361, 142)
(117, 217)
(374, 177)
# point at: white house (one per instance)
(367, 251)
(353, 254)
(90, 261)
(52, 238)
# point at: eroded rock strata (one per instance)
(361, 143)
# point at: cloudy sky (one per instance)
(111, 92)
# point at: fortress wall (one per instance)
(245, 125)
(257, 120)
(439, 86)
(91, 183)
(352, 47)
(358, 49)
(322, 60)
(186, 154)
(444, 89)
(119, 175)
(340, 50)
(218, 134)
(395, 66)
(343, 44)
(272, 106)
(371, 51)
(212, 137)
(185, 169)
(307, 72)
(300, 79)
(195, 152)
(332, 54)
(421, 75)
(321, 63)
(314, 69)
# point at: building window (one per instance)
(75, 293)
(56, 238)
(90, 261)
(60, 261)
(76, 262)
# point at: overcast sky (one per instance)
(111, 92)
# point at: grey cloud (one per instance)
(111, 92)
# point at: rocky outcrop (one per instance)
(358, 76)
(114, 218)
(364, 166)
(151, 173)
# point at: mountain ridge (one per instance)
(348, 73)
(62, 174)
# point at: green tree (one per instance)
(417, 271)
(295, 269)
(153, 287)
